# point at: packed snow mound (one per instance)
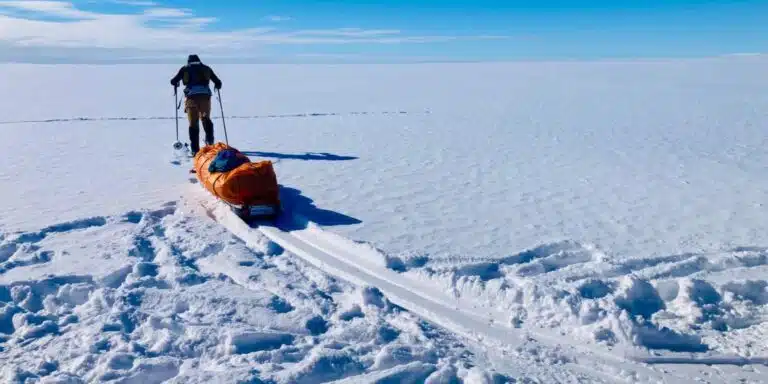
(680, 303)
(166, 295)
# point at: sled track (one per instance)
(236, 117)
(352, 262)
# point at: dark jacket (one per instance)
(196, 77)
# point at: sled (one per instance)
(249, 189)
(251, 213)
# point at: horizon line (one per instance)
(372, 60)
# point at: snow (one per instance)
(476, 223)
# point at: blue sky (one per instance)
(371, 31)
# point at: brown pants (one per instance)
(198, 107)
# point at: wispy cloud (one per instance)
(167, 12)
(34, 25)
(54, 8)
(746, 54)
(277, 18)
(136, 3)
(349, 32)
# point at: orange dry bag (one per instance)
(251, 184)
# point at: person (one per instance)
(196, 77)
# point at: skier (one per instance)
(196, 77)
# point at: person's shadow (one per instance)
(323, 156)
(299, 210)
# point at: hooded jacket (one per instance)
(196, 77)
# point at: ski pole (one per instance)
(223, 123)
(176, 110)
(176, 104)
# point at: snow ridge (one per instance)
(352, 261)
(633, 297)
(234, 117)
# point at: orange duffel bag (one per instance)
(250, 187)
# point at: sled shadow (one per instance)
(301, 210)
(324, 156)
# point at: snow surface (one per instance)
(551, 222)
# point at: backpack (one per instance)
(227, 160)
(196, 78)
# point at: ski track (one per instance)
(352, 261)
(236, 117)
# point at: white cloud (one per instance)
(136, 3)
(746, 54)
(51, 8)
(348, 32)
(163, 30)
(167, 12)
(277, 18)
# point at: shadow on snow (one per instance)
(300, 210)
(303, 156)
